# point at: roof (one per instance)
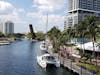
(89, 46)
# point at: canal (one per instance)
(19, 58)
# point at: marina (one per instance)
(49, 37)
(19, 58)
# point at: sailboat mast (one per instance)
(46, 32)
(47, 23)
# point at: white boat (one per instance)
(47, 60)
(43, 46)
(4, 42)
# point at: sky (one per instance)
(25, 12)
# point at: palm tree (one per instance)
(93, 29)
(71, 32)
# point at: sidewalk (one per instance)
(72, 66)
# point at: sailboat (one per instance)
(47, 59)
(44, 44)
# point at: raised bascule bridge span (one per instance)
(32, 32)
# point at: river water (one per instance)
(19, 58)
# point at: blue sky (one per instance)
(25, 12)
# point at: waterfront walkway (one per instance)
(72, 66)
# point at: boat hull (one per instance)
(41, 63)
(56, 64)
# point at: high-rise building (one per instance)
(1, 27)
(7, 27)
(79, 9)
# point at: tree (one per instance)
(54, 35)
(71, 32)
(1, 34)
(90, 28)
(40, 36)
(63, 38)
(93, 28)
(14, 36)
(81, 31)
(29, 35)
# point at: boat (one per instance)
(43, 45)
(4, 42)
(47, 60)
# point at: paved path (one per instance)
(67, 63)
(72, 65)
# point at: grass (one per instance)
(90, 67)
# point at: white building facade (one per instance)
(79, 9)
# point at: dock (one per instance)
(67, 63)
(73, 67)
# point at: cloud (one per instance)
(9, 12)
(48, 5)
(36, 17)
(12, 18)
(5, 7)
(40, 20)
(21, 10)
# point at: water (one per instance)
(19, 58)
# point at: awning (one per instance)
(89, 46)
